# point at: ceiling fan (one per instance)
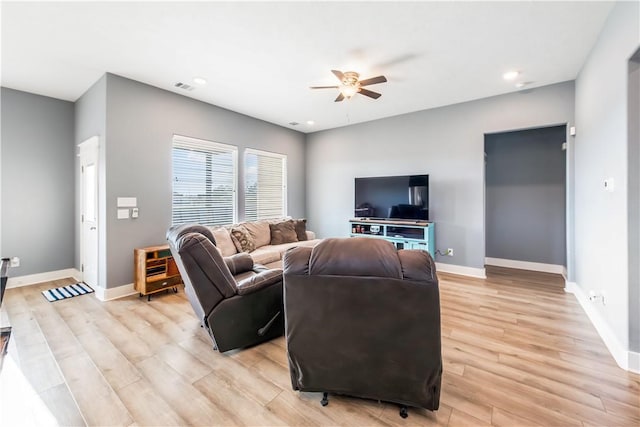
(350, 85)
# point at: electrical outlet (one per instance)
(15, 262)
(450, 252)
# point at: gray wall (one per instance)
(601, 226)
(91, 120)
(525, 195)
(37, 182)
(447, 143)
(633, 115)
(141, 121)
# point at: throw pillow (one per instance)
(242, 239)
(301, 229)
(224, 242)
(259, 232)
(283, 232)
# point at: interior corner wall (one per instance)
(633, 115)
(447, 143)
(601, 227)
(37, 178)
(141, 122)
(91, 120)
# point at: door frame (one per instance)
(92, 146)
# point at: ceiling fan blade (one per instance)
(339, 98)
(373, 81)
(338, 74)
(369, 93)
(323, 87)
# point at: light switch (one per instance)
(123, 213)
(127, 202)
(134, 213)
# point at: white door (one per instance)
(89, 210)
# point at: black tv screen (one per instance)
(397, 197)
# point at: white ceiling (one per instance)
(259, 58)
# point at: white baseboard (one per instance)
(526, 265)
(101, 293)
(32, 279)
(627, 360)
(461, 270)
(114, 293)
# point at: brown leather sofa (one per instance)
(237, 301)
(363, 319)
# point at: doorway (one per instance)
(89, 210)
(525, 199)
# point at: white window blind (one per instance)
(265, 177)
(204, 182)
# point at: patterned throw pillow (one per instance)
(301, 229)
(242, 239)
(283, 232)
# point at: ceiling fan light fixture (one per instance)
(348, 90)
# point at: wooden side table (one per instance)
(155, 270)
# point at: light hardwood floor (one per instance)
(517, 351)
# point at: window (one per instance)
(265, 179)
(204, 182)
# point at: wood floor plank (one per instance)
(62, 405)
(242, 410)
(147, 407)
(98, 402)
(517, 351)
(186, 400)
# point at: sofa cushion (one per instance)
(266, 254)
(242, 239)
(283, 232)
(259, 232)
(223, 241)
(300, 226)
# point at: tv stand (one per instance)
(403, 233)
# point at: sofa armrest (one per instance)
(259, 281)
(239, 263)
(310, 235)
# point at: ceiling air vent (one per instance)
(184, 86)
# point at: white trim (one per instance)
(114, 293)
(527, 265)
(627, 360)
(461, 270)
(32, 279)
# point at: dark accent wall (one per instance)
(37, 182)
(525, 195)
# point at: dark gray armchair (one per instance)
(363, 319)
(239, 303)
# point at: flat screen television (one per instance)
(392, 197)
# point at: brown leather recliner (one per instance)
(235, 313)
(363, 319)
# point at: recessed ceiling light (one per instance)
(311, 122)
(520, 85)
(200, 80)
(510, 75)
